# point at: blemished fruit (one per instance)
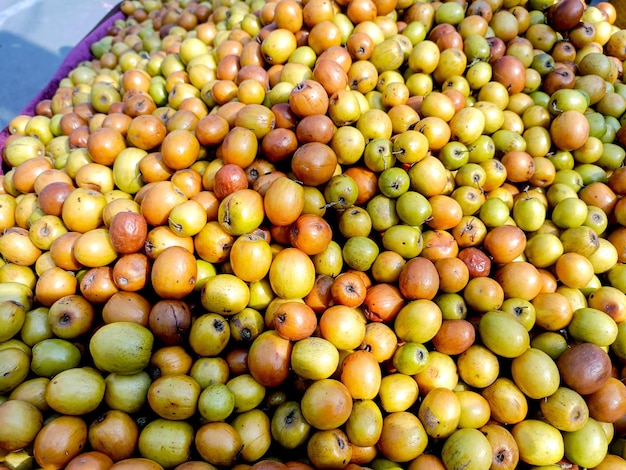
(322, 234)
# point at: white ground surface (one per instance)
(35, 37)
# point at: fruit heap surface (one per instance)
(321, 234)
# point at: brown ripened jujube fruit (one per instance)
(566, 14)
(170, 320)
(585, 367)
(128, 232)
(52, 196)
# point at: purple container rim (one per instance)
(80, 53)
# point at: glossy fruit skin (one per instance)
(159, 431)
(174, 397)
(283, 202)
(565, 409)
(565, 16)
(590, 357)
(530, 431)
(542, 384)
(274, 372)
(343, 326)
(23, 421)
(327, 403)
(444, 406)
(604, 403)
(466, 446)
(241, 212)
(325, 364)
(115, 434)
(515, 345)
(135, 355)
(59, 391)
(419, 279)
(402, 428)
(328, 448)
(508, 403)
(92, 459)
(174, 284)
(356, 366)
(60, 441)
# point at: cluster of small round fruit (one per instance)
(321, 234)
